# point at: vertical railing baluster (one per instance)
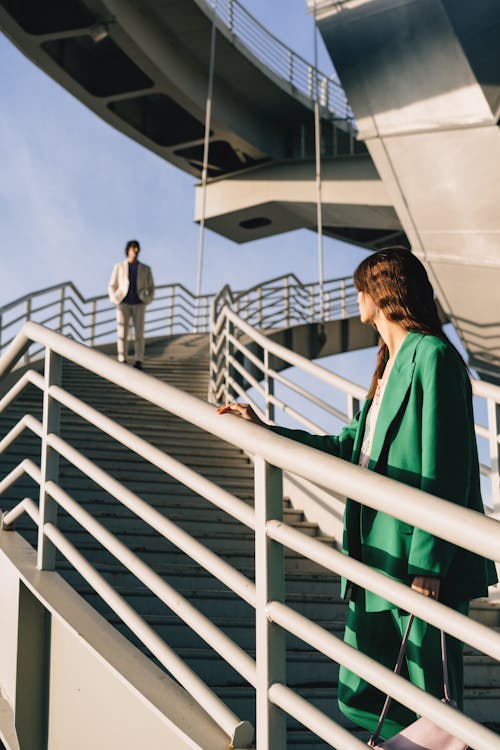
(229, 330)
(290, 66)
(207, 315)
(230, 20)
(93, 306)
(172, 307)
(353, 406)
(327, 306)
(62, 300)
(270, 586)
(269, 389)
(287, 302)
(493, 429)
(49, 460)
(311, 304)
(310, 81)
(27, 318)
(343, 301)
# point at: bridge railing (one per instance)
(272, 455)
(92, 320)
(282, 60)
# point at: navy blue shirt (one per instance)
(132, 298)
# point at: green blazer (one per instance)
(424, 437)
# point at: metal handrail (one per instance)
(283, 61)
(273, 454)
(174, 310)
(236, 347)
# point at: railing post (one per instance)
(259, 307)
(61, 309)
(270, 586)
(92, 322)
(287, 302)
(206, 315)
(343, 301)
(49, 464)
(311, 304)
(493, 429)
(28, 317)
(229, 331)
(172, 308)
(269, 389)
(230, 15)
(353, 406)
(310, 81)
(1, 331)
(290, 66)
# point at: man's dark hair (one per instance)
(132, 243)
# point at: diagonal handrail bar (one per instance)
(458, 525)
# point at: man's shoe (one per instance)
(138, 365)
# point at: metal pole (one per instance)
(49, 464)
(269, 389)
(28, 317)
(493, 428)
(206, 145)
(92, 322)
(317, 143)
(270, 587)
(61, 309)
(172, 307)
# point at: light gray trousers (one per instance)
(125, 314)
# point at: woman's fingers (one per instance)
(427, 585)
(242, 410)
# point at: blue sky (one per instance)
(73, 190)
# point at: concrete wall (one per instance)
(422, 78)
(70, 680)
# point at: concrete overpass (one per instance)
(143, 68)
(423, 79)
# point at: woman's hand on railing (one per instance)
(242, 410)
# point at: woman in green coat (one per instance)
(417, 426)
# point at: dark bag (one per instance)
(423, 734)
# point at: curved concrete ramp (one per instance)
(143, 67)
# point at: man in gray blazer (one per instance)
(131, 288)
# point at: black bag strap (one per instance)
(397, 670)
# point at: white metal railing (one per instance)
(282, 60)
(272, 455)
(246, 364)
(92, 321)
(236, 351)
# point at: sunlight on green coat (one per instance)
(425, 438)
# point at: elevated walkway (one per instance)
(144, 70)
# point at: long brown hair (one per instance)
(398, 284)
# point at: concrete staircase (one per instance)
(183, 362)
